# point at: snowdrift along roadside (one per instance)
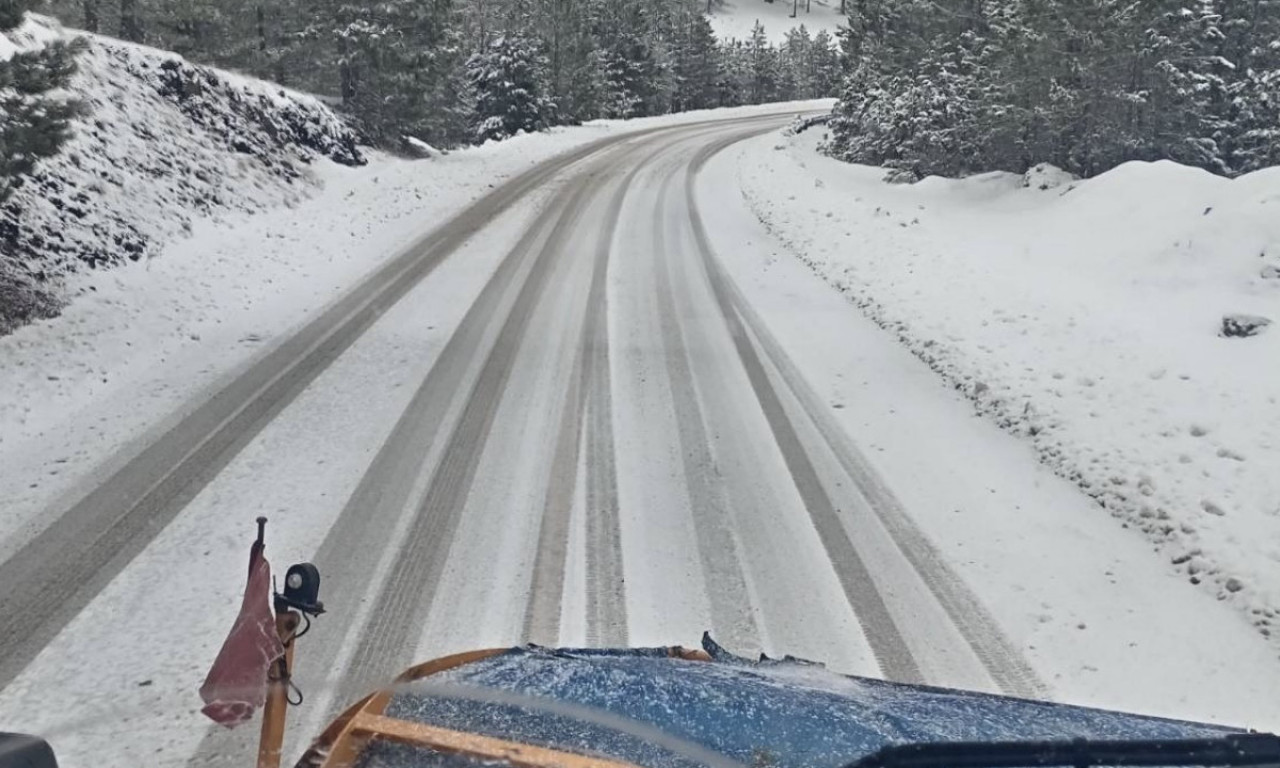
(161, 143)
(1086, 317)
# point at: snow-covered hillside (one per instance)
(736, 18)
(160, 145)
(1087, 317)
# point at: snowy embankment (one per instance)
(160, 144)
(1086, 316)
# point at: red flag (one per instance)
(237, 682)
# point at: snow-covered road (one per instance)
(597, 408)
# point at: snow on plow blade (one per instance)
(675, 708)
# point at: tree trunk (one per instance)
(347, 74)
(130, 26)
(92, 22)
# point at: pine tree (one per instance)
(33, 123)
(573, 77)
(629, 75)
(793, 78)
(950, 86)
(505, 82)
(631, 71)
(763, 64)
(696, 66)
(826, 65)
(390, 58)
(131, 26)
(732, 76)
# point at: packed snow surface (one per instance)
(1086, 316)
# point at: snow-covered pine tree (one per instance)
(219, 32)
(505, 86)
(1258, 140)
(34, 124)
(825, 65)
(795, 80)
(958, 85)
(391, 57)
(1246, 56)
(902, 57)
(630, 74)
(695, 64)
(564, 31)
(763, 63)
(732, 73)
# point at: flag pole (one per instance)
(301, 596)
(273, 713)
(271, 741)
(255, 664)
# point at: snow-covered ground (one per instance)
(1084, 316)
(736, 18)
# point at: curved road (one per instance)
(610, 449)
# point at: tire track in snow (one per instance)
(879, 627)
(546, 588)
(546, 593)
(732, 609)
(389, 639)
(587, 402)
(1002, 660)
(998, 656)
(606, 587)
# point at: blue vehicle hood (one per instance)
(647, 708)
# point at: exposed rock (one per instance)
(1243, 325)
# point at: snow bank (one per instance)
(1087, 317)
(162, 144)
